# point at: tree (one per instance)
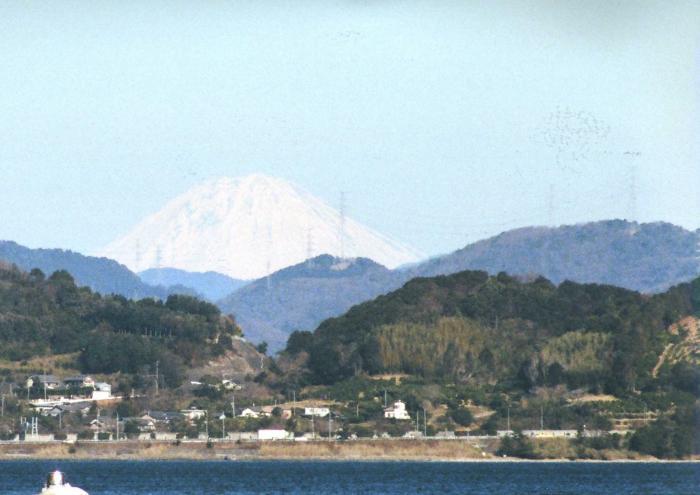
(516, 445)
(462, 416)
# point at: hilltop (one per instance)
(646, 257)
(99, 274)
(301, 296)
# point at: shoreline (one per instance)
(357, 451)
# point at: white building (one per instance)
(275, 434)
(318, 412)
(397, 411)
(193, 414)
(250, 412)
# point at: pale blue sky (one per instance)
(444, 122)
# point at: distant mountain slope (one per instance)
(647, 257)
(301, 296)
(247, 228)
(211, 285)
(100, 274)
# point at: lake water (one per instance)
(160, 478)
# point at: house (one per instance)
(102, 424)
(43, 381)
(193, 413)
(102, 391)
(275, 433)
(397, 411)
(251, 412)
(317, 412)
(71, 408)
(79, 381)
(164, 417)
(145, 425)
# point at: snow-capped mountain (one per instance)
(247, 228)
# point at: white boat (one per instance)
(56, 485)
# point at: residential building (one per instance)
(317, 412)
(48, 381)
(79, 381)
(193, 413)
(397, 411)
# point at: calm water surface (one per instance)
(160, 478)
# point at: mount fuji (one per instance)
(247, 228)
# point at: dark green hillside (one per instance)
(472, 327)
(100, 274)
(44, 316)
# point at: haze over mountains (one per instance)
(211, 285)
(247, 228)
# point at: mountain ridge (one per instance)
(99, 274)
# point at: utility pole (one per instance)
(330, 424)
(2, 406)
(157, 376)
(223, 426)
(384, 398)
(541, 417)
(313, 428)
(233, 406)
(425, 424)
(508, 424)
(117, 438)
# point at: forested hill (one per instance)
(471, 326)
(41, 316)
(100, 274)
(647, 257)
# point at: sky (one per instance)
(442, 122)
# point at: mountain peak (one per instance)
(247, 227)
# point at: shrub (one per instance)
(86, 435)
